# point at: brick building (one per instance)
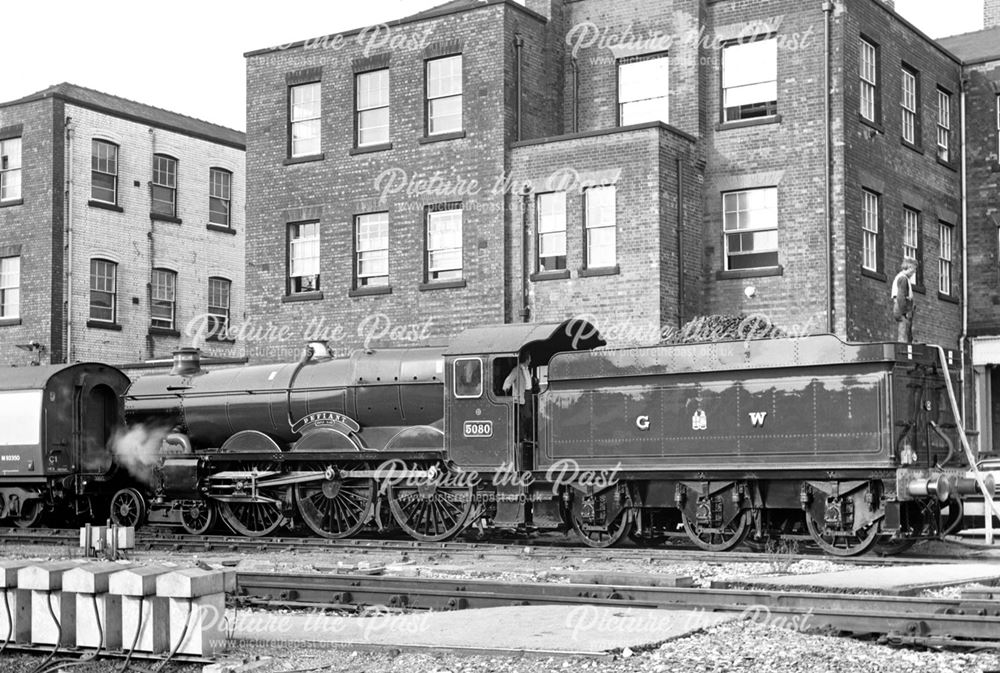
(980, 53)
(642, 162)
(120, 224)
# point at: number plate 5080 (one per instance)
(478, 429)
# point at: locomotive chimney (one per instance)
(187, 362)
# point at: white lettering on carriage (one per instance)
(757, 418)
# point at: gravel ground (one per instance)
(737, 648)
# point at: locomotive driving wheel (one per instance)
(335, 506)
(430, 510)
(198, 516)
(258, 517)
(128, 508)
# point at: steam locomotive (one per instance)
(849, 445)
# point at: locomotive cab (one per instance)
(492, 379)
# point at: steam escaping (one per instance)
(137, 449)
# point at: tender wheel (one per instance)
(30, 516)
(595, 523)
(198, 516)
(335, 507)
(128, 508)
(841, 542)
(722, 536)
(429, 511)
(603, 536)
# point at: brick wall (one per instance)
(26, 229)
(875, 158)
(138, 244)
(991, 13)
(984, 206)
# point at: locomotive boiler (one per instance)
(265, 445)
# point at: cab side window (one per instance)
(468, 377)
(502, 367)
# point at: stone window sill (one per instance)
(158, 217)
(951, 299)
(368, 149)
(370, 291)
(290, 161)
(759, 272)
(99, 324)
(9, 322)
(441, 137)
(744, 123)
(600, 271)
(105, 206)
(163, 331)
(441, 285)
(877, 275)
(11, 202)
(222, 229)
(561, 274)
(301, 296)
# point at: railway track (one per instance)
(545, 547)
(965, 623)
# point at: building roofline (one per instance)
(416, 18)
(605, 132)
(58, 92)
(927, 38)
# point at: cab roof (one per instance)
(541, 339)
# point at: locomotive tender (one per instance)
(848, 444)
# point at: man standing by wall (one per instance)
(902, 300)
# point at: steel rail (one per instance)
(974, 621)
(149, 540)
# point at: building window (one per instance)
(303, 257)
(163, 298)
(164, 185)
(218, 306)
(750, 226)
(551, 209)
(869, 81)
(304, 119)
(944, 125)
(750, 80)
(600, 229)
(644, 89)
(908, 103)
(998, 128)
(104, 172)
(103, 290)
(444, 95)
(444, 242)
(872, 232)
(913, 240)
(10, 287)
(220, 184)
(944, 258)
(372, 107)
(372, 250)
(10, 169)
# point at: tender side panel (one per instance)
(21, 433)
(806, 420)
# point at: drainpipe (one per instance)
(575, 66)
(828, 187)
(965, 256)
(68, 350)
(680, 243)
(525, 261)
(150, 340)
(518, 49)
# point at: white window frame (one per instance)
(220, 192)
(908, 104)
(438, 271)
(763, 82)
(10, 287)
(868, 61)
(944, 125)
(163, 292)
(163, 193)
(550, 210)
(946, 245)
(303, 257)
(760, 218)
(911, 233)
(371, 250)
(112, 293)
(437, 93)
(101, 164)
(871, 204)
(217, 313)
(653, 96)
(370, 103)
(305, 116)
(10, 169)
(454, 378)
(600, 217)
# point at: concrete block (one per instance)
(8, 573)
(190, 583)
(98, 621)
(97, 537)
(136, 581)
(53, 618)
(120, 537)
(44, 576)
(146, 622)
(15, 615)
(92, 578)
(200, 622)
